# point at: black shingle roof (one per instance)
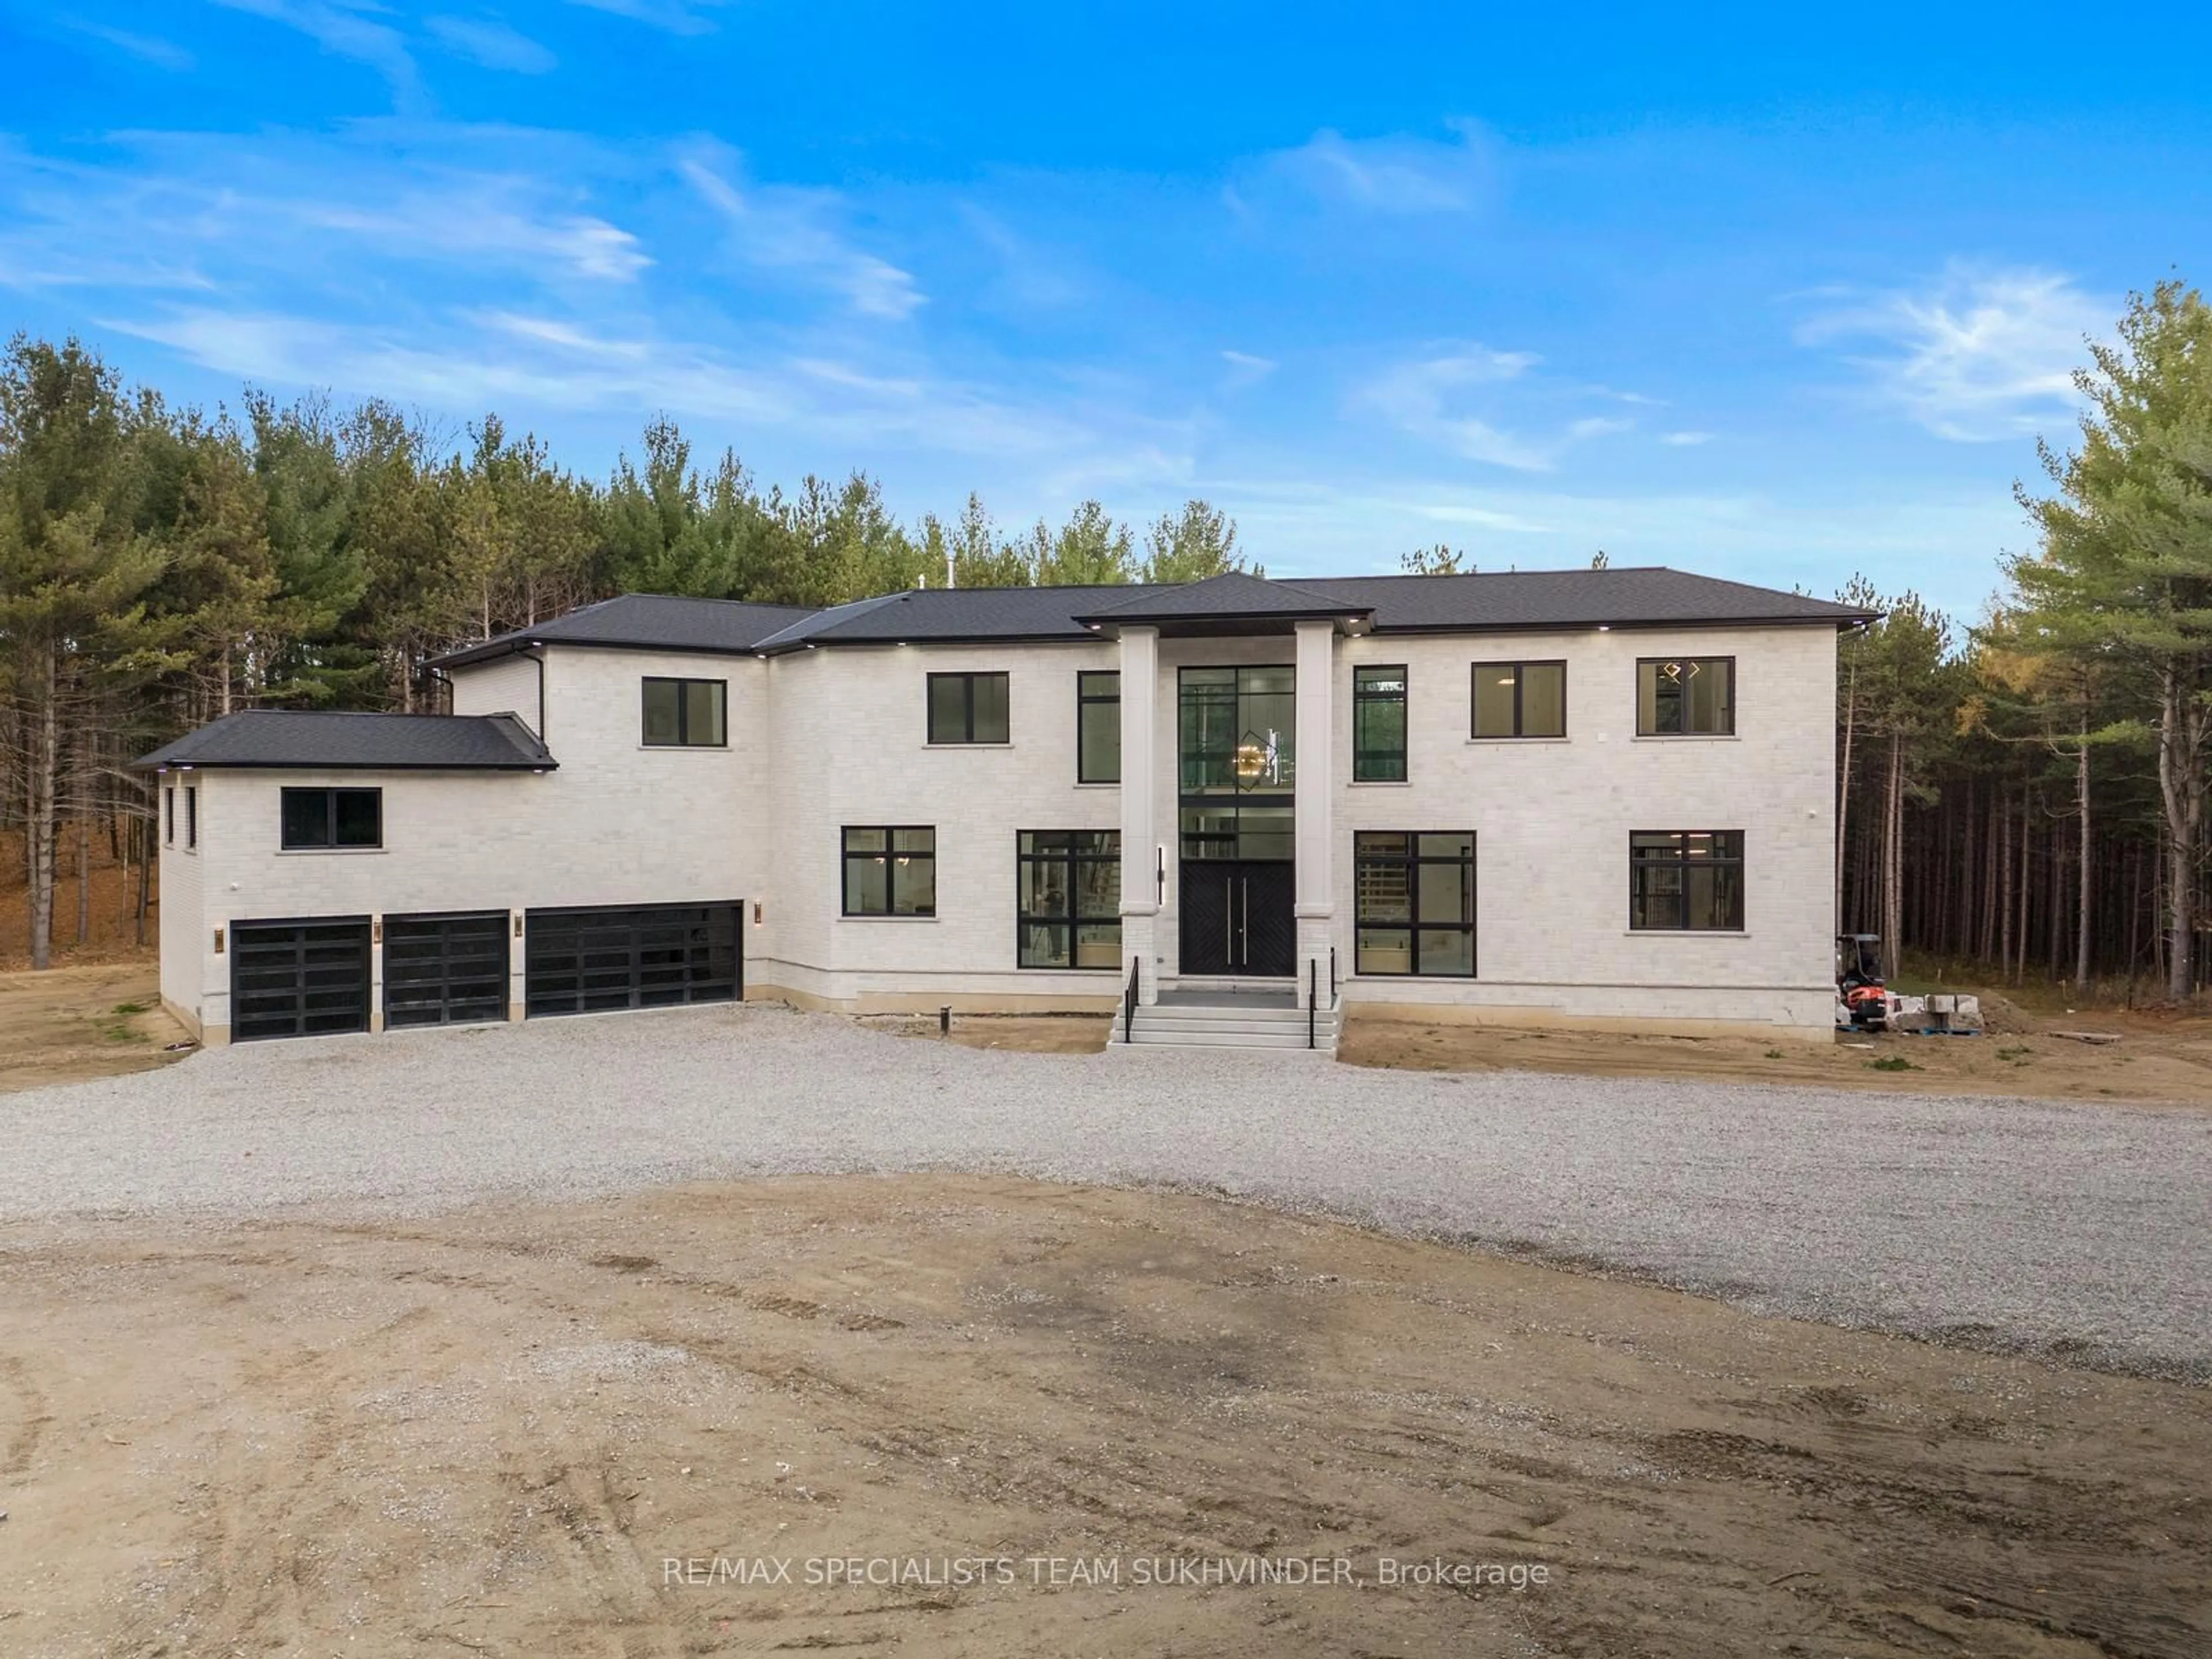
(653, 622)
(1651, 596)
(1234, 594)
(295, 738)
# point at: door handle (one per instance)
(1245, 929)
(1228, 926)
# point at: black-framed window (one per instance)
(1098, 726)
(1068, 898)
(1414, 903)
(968, 708)
(169, 814)
(890, 871)
(685, 713)
(1378, 724)
(329, 817)
(1685, 880)
(1684, 696)
(192, 816)
(1520, 700)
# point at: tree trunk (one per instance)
(1892, 859)
(2181, 730)
(2082, 902)
(39, 806)
(143, 826)
(1844, 782)
(84, 878)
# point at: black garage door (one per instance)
(444, 969)
(299, 978)
(576, 961)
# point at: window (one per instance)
(192, 815)
(1378, 725)
(1068, 898)
(1098, 726)
(968, 708)
(1685, 880)
(1685, 696)
(686, 713)
(328, 817)
(1414, 903)
(1520, 700)
(169, 814)
(1238, 730)
(890, 873)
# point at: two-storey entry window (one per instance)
(1685, 880)
(1414, 903)
(686, 713)
(1520, 700)
(1685, 696)
(1378, 725)
(968, 708)
(1098, 726)
(332, 817)
(891, 872)
(1068, 898)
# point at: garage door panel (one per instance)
(650, 957)
(447, 969)
(299, 978)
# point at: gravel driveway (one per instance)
(2080, 1231)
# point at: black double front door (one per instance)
(1238, 917)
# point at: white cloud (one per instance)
(1245, 370)
(340, 27)
(1685, 440)
(1388, 175)
(675, 16)
(148, 48)
(492, 43)
(1974, 354)
(1427, 397)
(1598, 426)
(479, 221)
(781, 227)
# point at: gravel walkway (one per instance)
(2079, 1230)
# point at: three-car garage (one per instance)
(315, 976)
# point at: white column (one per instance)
(1140, 824)
(1315, 798)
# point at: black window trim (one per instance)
(1520, 717)
(1413, 926)
(168, 815)
(969, 675)
(1741, 861)
(890, 833)
(330, 793)
(1073, 918)
(1090, 699)
(1728, 731)
(684, 710)
(192, 818)
(1403, 698)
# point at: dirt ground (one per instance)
(492, 1433)
(114, 933)
(2159, 1058)
(68, 1024)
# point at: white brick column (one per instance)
(1140, 820)
(1315, 797)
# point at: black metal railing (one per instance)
(1129, 1002)
(1313, 999)
(1332, 976)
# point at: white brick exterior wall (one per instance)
(825, 738)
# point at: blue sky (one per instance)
(1777, 294)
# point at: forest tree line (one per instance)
(2025, 797)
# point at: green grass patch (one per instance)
(134, 1007)
(1893, 1063)
(1774, 1053)
(2017, 1056)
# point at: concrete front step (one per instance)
(1166, 1025)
